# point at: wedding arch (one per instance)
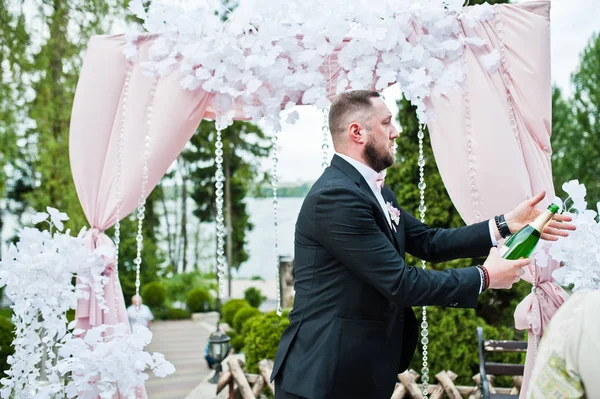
(478, 75)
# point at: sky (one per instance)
(572, 24)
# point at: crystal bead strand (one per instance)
(142, 206)
(142, 200)
(219, 179)
(274, 184)
(535, 297)
(119, 194)
(422, 209)
(325, 145)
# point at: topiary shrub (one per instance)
(230, 308)
(199, 300)
(254, 297)
(242, 315)
(7, 335)
(154, 295)
(453, 344)
(237, 343)
(180, 284)
(177, 314)
(262, 338)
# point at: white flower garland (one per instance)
(38, 274)
(116, 363)
(270, 53)
(580, 251)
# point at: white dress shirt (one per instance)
(371, 177)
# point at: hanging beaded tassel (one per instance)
(274, 184)
(534, 311)
(422, 209)
(119, 194)
(139, 238)
(325, 144)
(219, 179)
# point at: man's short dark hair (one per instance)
(347, 103)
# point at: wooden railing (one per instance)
(250, 386)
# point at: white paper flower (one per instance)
(37, 274)
(580, 251)
(110, 359)
(269, 53)
(577, 193)
(57, 218)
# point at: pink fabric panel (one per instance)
(96, 124)
(507, 166)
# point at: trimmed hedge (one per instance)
(242, 315)
(230, 308)
(199, 300)
(254, 297)
(262, 334)
(154, 295)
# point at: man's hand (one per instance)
(526, 212)
(504, 273)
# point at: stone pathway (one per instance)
(182, 342)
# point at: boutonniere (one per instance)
(394, 213)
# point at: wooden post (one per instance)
(438, 392)
(490, 378)
(411, 386)
(240, 379)
(286, 280)
(448, 385)
(266, 368)
(258, 386)
(399, 392)
(231, 388)
(223, 381)
(518, 381)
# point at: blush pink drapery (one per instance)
(490, 161)
(507, 164)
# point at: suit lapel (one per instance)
(360, 181)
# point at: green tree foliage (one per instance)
(7, 335)
(244, 145)
(576, 126)
(14, 59)
(55, 50)
(152, 256)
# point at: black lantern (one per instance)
(219, 348)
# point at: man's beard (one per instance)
(378, 158)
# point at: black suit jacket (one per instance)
(352, 328)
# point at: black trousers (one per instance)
(279, 392)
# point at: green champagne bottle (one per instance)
(523, 242)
